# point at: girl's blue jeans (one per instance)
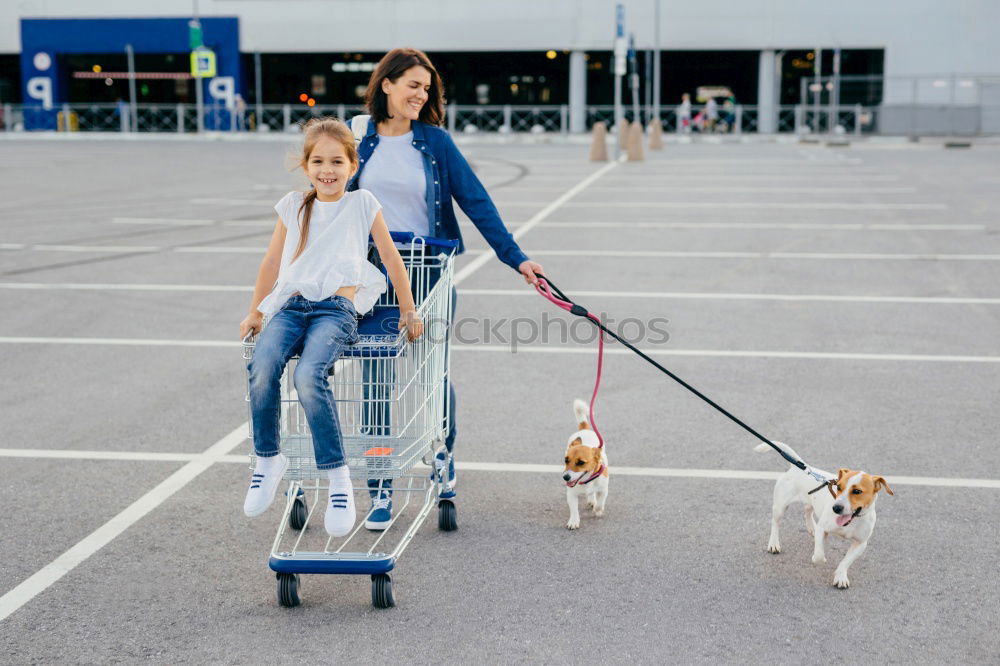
(316, 331)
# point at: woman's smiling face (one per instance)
(408, 94)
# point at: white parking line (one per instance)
(803, 226)
(118, 342)
(72, 454)
(666, 189)
(220, 249)
(726, 353)
(674, 472)
(539, 349)
(680, 295)
(735, 296)
(721, 161)
(161, 220)
(763, 205)
(725, 177)
(98, 286)
(94, 248)
(554, 470)
(842, 256)
(209, 201)
(103, 535)
(164, 221)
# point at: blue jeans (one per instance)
(316, 331)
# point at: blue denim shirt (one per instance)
(449, 175)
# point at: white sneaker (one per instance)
(263, 487)
(340, 513)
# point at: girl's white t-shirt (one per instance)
(335, 255)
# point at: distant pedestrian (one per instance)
(729, 113)
(241, 112)
(711, 114)
(684, 114)
(123, 113)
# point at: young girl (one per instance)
(317, 264)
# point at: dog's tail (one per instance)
(582, 411)
(761, 448)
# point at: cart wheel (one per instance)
(447, 516)
(288, 590)
(382, 591)
(297, 518)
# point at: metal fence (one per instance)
(856, 119)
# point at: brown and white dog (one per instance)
(845, 508)
(586, 473)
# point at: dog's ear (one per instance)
(880, 483)
(576, 442)
(832, 485)
(597, 459)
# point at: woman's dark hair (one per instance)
(391, 66)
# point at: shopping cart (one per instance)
(392, 400)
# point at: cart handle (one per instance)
(409, 236)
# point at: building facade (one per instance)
(890, 53)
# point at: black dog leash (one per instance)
(581, 311)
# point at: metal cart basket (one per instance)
(392, 401)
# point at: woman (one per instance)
(414, 169)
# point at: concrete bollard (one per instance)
(634, 146)
(622, 134)
(599, 143)
(655, 135)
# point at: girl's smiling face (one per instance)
(408, 94)
(328, 169)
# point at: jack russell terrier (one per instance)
(847, 510)
(586, 473)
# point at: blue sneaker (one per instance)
(380, 516)
(447, 485)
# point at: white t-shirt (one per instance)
(395, 174)
(335, 255)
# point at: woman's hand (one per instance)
(410, 320)
(528, 269)
(252, 324)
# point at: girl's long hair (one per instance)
(391, 66)
(313, 131)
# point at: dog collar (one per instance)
(578, 482)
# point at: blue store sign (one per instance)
(44, 82)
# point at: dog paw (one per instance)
(598, 511)
(810, 530)
(592, 504)
(573, 524)
(840, 581)
(774, 548)
(818, 558)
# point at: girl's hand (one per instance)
(252, 324)
(528, 270)
(411, 321)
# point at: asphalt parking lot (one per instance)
(843, 300)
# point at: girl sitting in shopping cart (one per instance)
(313, 283)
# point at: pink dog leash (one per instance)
(542, 286)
